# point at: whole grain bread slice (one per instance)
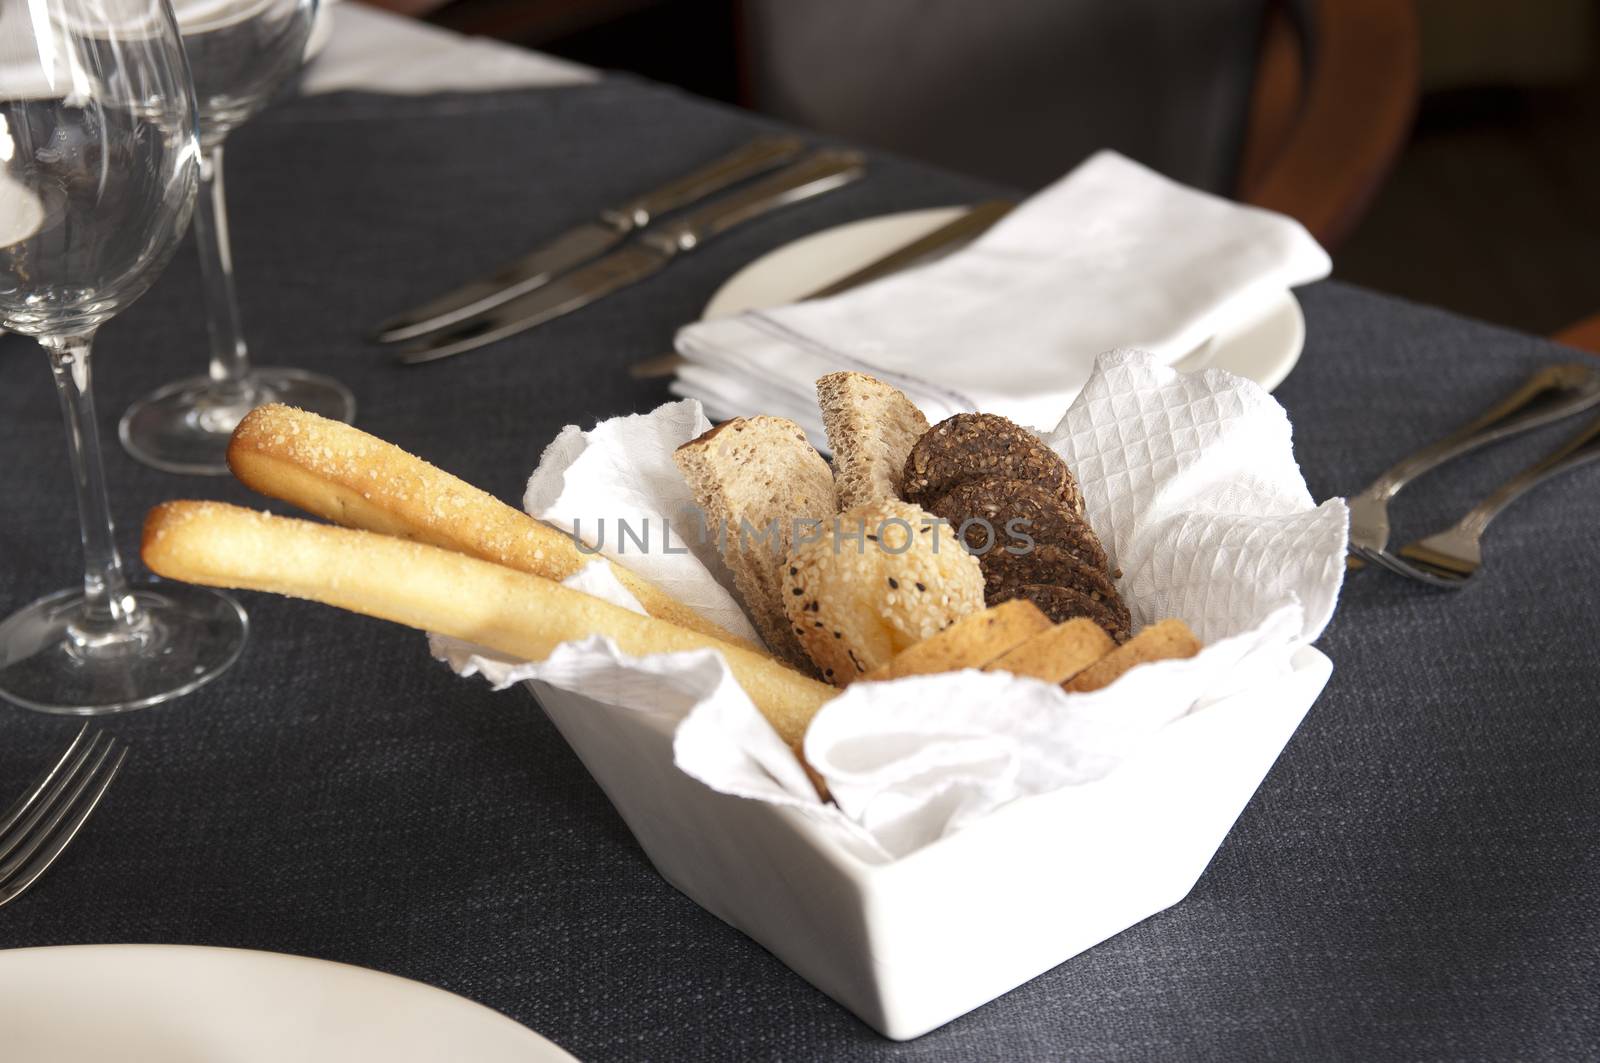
(871, 428)
(757, 480)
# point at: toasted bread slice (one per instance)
(757, 479)
(1161, 641)
(971, 642)
(871, 428)
(1058, 654)
(881, 584)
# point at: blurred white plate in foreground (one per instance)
(183, 1004)
(1262, 347)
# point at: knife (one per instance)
(583, 242)
(819, 172)
(968, 227)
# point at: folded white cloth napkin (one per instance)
(1112, 255)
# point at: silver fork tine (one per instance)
(25, 826)
(26, 801)
(29, 837)
(49, 843)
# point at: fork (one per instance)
(45, 819)
(1550, 394)
(1449, 558)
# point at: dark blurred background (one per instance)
(1444, 150)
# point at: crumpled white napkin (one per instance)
(1112, 255)
(1193, 486)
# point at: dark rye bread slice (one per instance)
(1038, 513)
(1061, 604)
(1047, 564)
(971, 446)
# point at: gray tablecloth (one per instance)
(1418, 878)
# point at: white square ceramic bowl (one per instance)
(910, 945)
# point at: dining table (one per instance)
(1418, 877)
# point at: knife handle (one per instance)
(758, 156)
(818, 172)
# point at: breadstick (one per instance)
(344, 475)
(433, 589)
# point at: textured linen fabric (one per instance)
(1417, 878)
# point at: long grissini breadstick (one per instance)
(433, 589)
(342, 474)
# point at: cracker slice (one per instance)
(1058, 654)
(970, 642)
(1166, 640)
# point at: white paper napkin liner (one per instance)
(1191, 481)
(622, 470)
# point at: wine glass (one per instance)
(241, 52)
(99, 159)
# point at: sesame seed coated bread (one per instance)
(882, 584)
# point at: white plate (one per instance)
(183, 1004)
(1263, 348)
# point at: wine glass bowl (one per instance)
(241, 52)
(99, 165)
(97, 161)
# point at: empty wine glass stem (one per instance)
(110, 613)
(230, 358)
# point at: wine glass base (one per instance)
(185, 426)
(185, 637)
